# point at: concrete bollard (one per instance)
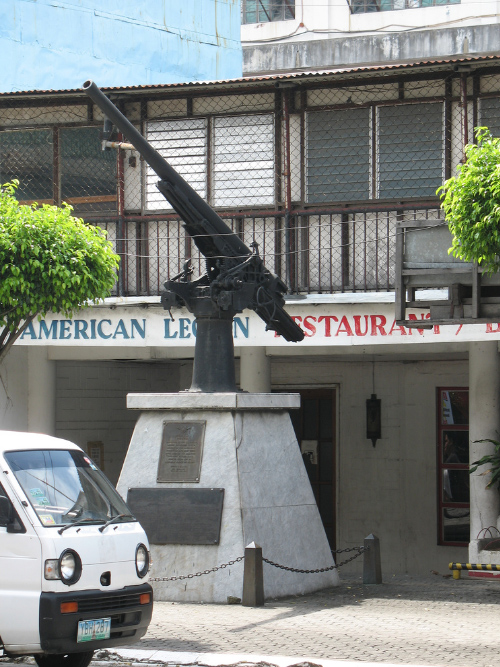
(372, 569)
(253, 577)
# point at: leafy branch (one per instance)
(471, 203)
(493, 460)
(50, 261)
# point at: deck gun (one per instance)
(235, 277)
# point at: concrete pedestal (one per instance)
(251, 451)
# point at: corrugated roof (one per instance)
(434, 63)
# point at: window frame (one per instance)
(261, 10)
(441, 466)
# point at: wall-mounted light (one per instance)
(373, 419)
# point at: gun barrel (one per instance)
(166, 172)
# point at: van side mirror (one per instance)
(5, 511)
(9, 518)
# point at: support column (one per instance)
(484, 420)
(41, 392)
(255, 370)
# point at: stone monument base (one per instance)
(249, 450)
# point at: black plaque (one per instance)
(178, 516)
(181, 450)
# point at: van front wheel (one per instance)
(64, 660)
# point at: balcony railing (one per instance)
(321, 251)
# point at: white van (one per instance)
(74, 562)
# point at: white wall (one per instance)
(91, 402)
(329, 19)
(389, 490)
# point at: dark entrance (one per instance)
(314, 426)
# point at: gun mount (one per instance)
(235, 277)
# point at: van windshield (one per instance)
(65, 486)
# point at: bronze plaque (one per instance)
(181, 450)
(178, 516)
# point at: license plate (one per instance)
(98, 628)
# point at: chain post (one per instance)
(253, 577)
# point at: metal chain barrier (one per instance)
(358, 550)
(198, 574)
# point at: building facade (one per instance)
(47, 46)
(317, 168)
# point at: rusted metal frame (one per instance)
(448, 123)
(365, 249)
(209, 165)
(373, 152)
(42, 101)
(158, 284)
(465, 115)
(380, 103)
(56, 171)
(376, 252)
(344, 250)
(399, 286)
(364, 79)
(280, 234)
(391, 206)
(401, 90)
(353, 260)
(120, 230)
(48, 126)
(303, 105)
(292, 274)
(330, 263)
(388, 252)
(476, 91)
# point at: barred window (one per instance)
(85, 168)
(243, 161)
(410, 150)
(265, 11)
(183, 143)
(490, 115)
(364, 6)
(338, 155)
(28, 156)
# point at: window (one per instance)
(364, 6)
(242, 169)
(453, 466)
(183, 143)
(410, 150)
(490, 115)
(265, 11)
(354, 154)
(337, 156)
(85, 168)
(243, 161)
(28, 156)
(85, 175)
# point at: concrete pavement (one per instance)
(404, 621)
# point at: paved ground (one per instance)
(427, 621)
(411, 621)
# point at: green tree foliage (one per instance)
(492, 460)
(471, 203)
(50, 261)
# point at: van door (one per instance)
(20, 576)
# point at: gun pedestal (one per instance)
(213, 368)
(210, 470)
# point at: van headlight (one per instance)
(141, 560)
(70, 567)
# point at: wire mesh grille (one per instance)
(317, 176)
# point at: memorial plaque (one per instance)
(178, 516)
(181, 450)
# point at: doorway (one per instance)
(315, 428)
